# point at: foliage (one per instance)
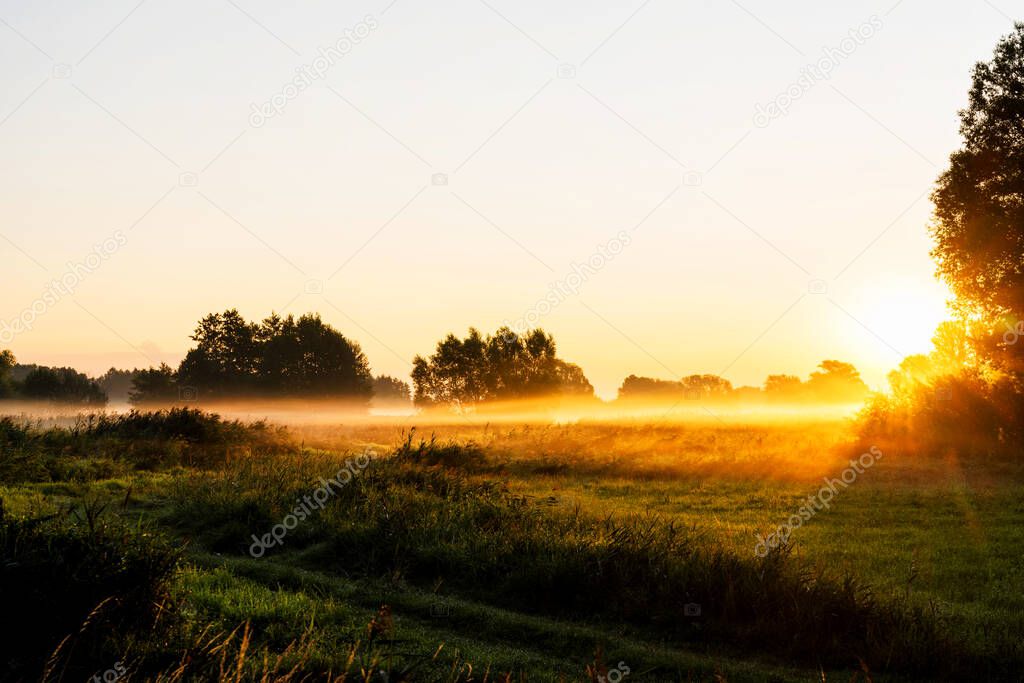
(948, 401)
(117, 384)
(41, 383)
(834, 382)
(7, 363)
(979, 199)
(503, 366)
(967, 396)
(104, 445)
(62, 385)
(154, 385)
(837, 381)
(391, 389)
(280, 357)
(307, 357)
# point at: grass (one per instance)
(551, 552)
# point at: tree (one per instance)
(634, 387)
(301, 357)
(978, 223)
(117, 384)
(968, 394)
(783, 386)
(387, 389)
(705, 386)
(454, 375)
(62, 385)
(952, 347)
(837, 381)
(571, 381)
(154, 385)
(307, 357)
(503, 366)
(224, 359)
(7, 363)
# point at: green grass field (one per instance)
(537, 552)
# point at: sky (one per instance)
(738, 188)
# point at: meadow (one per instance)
(475, 549)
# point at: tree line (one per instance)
(289, 357)
(40, 383)
(833, 382)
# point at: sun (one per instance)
(903, 312)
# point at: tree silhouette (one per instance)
(391, 389)
(280, 357)
(307, 357)
(634, 387)
(117, 384)
(979, 201)
(837, 381)
(225, 357)
(7, 363)
(154, 385)
(62, 385)
(705, 386)
(783, 387)
(503, 366)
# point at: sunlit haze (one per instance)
(462, 162)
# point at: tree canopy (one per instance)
(280, 357)
(978, 224)
(388, 389)
(502, 366)
(62, 385)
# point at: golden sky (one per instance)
(734, 187)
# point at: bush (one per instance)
(143, 440)
(965, 413)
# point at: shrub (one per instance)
(145, 440)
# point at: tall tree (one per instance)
(278, 357)
(307, 357)
(225, 357)
(978, 225)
